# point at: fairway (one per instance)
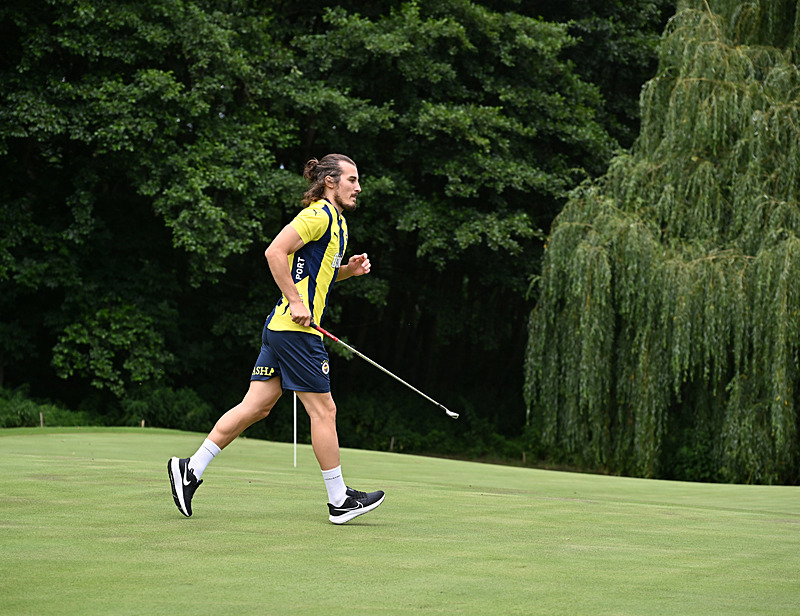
(88, 526)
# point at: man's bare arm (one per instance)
(288, 241)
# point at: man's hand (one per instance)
(300, 313)
(357, 265)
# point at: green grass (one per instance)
(87, 526)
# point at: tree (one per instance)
(616, 51)
(153, 149)
(473, 127)
(138, 153)
(665, 338)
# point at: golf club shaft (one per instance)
(379, 367)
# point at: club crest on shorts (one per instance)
(325, 367)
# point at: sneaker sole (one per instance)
(174, 472)
(346, 517)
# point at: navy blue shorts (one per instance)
(299, 360)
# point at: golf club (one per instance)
(364, 357)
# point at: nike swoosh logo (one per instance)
(186, 483)
(358, 506)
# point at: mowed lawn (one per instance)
(88, 526)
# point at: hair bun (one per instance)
(310, 172)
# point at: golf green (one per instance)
(88, 526)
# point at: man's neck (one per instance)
(332, 201)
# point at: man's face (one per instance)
(346, 191)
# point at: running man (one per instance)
(305, 261)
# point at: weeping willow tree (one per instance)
(666, 338)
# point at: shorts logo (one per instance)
(325, 367)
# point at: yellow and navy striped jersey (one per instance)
(315, 266)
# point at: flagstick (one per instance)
(295, 429)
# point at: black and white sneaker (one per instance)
(184, 484)
(356, 504)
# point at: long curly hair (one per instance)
(317, 170)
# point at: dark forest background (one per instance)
(150, 150)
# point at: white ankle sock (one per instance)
(334, 483)
(202, 457)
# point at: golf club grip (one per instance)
(324, 332)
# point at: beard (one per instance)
(347, 207)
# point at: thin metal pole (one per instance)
(295, 428)
(379, 367)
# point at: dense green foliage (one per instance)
(18, 410)
(150, 150)
(666, 341)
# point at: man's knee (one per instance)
(324, 411)
(319, 406)
(262, 411)
(330, 411)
